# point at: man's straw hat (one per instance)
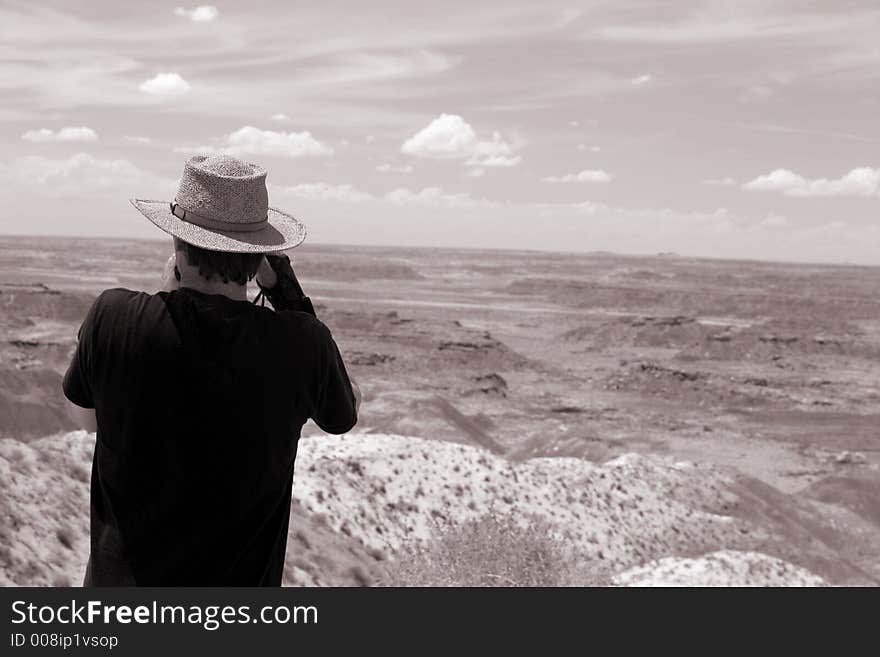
(222, 205)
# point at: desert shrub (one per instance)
(493, 550)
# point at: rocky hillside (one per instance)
(722, 568)
(359, 498)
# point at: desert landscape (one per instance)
(661, 420)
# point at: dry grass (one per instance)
(493, 550)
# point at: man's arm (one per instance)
(338, 398)
(77, 382)
(83, 418)
(278, 282)
(341, 395)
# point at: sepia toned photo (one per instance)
(460, 294)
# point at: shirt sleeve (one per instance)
(77, 383)
(335, 411)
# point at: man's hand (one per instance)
(169, 280)
(266, 275)
(278, 282)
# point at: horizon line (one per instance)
(427, 247)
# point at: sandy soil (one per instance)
(764, 375)
(360, 497)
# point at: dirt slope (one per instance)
(360, 496)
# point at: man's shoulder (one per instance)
(120, 302)
(116, 298)
(304, 321)
(306, 324)
(120, 294)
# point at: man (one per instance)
(199, 395)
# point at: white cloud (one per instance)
(862, 181)
(495, 153)
(585, 176)
(82, 174)
(591, 149)
(779, 180)
(642, 79)
(449, 136)
(68, 133)
(390, 168)
(719, 182)
(254, 141)
(281, 116)
(322, 191)
(137, 139)
(201, 14)
(775, 221)
(165, 84)
(196, 150)
(370, 139)
(401, 196)
(434, 196)
(495, 161)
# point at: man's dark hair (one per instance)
(228, 267)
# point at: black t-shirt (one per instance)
(200, 400)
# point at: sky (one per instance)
(731, 129)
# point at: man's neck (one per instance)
(232, 290)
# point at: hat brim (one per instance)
(283, 231)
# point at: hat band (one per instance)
(216, 224)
